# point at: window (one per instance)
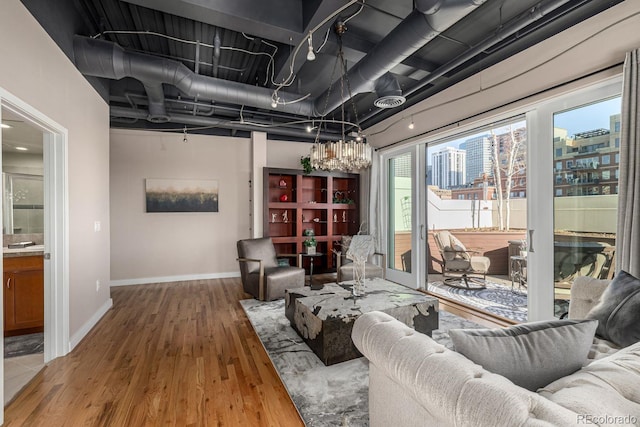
(616, 126)
(617, 158)
(569, 164)
(581, 218)
(558, 152)
(617, 142)
(617, 177)
(559, 166)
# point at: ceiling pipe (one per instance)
(155, 96)
(130, 113)
(105, 59)
(101, 58)
(428, 19)
(534, 14)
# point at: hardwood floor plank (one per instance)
(177, 354)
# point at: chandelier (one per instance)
(344, 154)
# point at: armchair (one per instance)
(458, 263)
(261, 275)
(344, 266)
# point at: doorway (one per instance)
(23, 251)
(53, 229)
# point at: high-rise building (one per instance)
(478, 151)
(448, 167)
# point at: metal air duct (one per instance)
(101, 58)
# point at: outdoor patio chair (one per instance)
(261, 275)
(460, 268)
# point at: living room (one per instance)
(106, 167)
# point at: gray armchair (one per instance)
(261, 275)
(344, 266)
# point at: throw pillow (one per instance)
(619, 311)
(531, 355)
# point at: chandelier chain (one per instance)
(344, 71)
(343, 154)
(326, 101)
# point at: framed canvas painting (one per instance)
(181, 195)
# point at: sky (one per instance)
(591, 117)
(581, 119)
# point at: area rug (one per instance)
(496, 299)
(333, 395)
(23, 344)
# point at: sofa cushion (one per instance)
(604, 390)
(532, 354)
(619, 311)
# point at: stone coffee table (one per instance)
(324, 318)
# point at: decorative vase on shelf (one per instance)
(310, 241)
(284, 198)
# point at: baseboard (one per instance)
(165, 279)
(89, 324)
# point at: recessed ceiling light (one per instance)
(22, 149)
(4, 126)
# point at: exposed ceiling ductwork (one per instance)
(100, 58)
(217, 66)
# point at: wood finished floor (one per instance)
(181, 354)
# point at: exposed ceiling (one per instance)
(212, 66)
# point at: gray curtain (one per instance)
(628, 233)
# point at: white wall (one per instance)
(33, 69)
(157, 245)
(452, 214)
(592, 45)
(30, 164)
(286, 154)
(149, 247)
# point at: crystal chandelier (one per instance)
(344, 154)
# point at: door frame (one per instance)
(418, 257)
(56, 236)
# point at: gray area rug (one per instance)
(496, 299)
(23, 345)
(334, 395)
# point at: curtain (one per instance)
(628, 230)
(375, 225)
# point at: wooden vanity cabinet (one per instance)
(23, 295)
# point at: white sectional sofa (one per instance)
(414, 381)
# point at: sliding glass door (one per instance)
(574, 204)
(401, 217)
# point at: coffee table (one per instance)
(324, 318)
